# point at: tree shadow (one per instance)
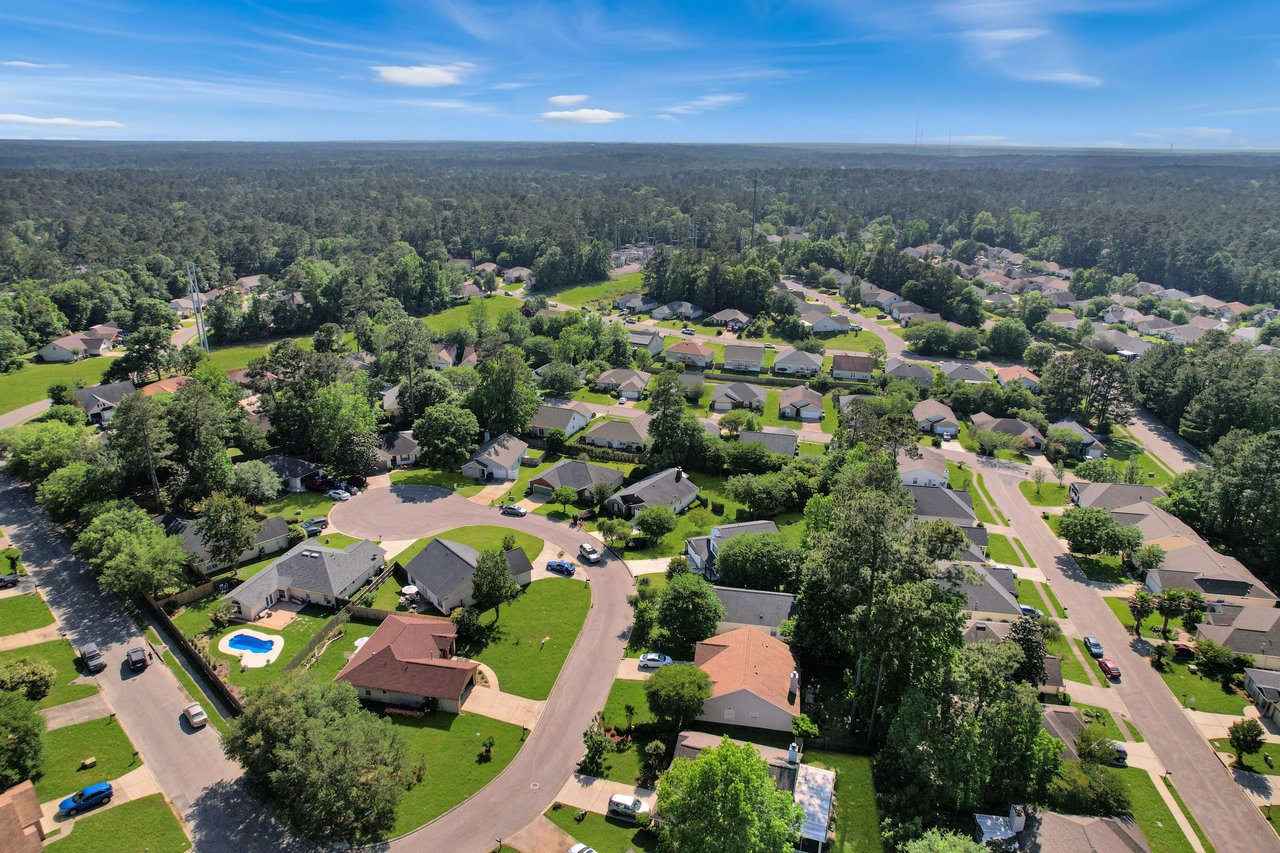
(226, 817)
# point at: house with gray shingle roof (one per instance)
(629, 384)
(783, 441)
(568, 419)
(99, 402)
(702, 550)
(755, 608)
(396, 448)
(311, 573)
(737, 395)
(800, 402)
(671, 487)
(744, 358)
(631, 436)
(797, 362)
(580, 476)
(443, 572)
(497, 459)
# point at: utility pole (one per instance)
(197, 305)
(755, 209)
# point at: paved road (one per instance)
(1224, 811)
(1172, 449)
(189, 765)
(530, 783)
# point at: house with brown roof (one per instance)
(858, 368)
(936, 418)
(568, 419)
(629, 384)
(409, 661)
(91, 342)
(1017, 373)
(754, 681)
(800, 402)
(164, 386)
(20, 827)
(691, 353)
(631, 436)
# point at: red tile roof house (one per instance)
(409, 661)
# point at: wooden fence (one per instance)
(179, 644)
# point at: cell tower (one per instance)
(197, 305)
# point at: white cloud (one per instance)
(429, 76)
(665, 117)
(454, 104)
(21, 63)
(705, 103)
(567, 100)
(37, 121)
(510, 85)
(583, 116)
(1067, 78)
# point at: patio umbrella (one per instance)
(409, 590)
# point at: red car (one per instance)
(1109, 668)
(1184, 650)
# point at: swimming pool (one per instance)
(243, 642)
(251, 648)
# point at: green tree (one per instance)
(329, 338)
(133, 555)
(147, 352)
(564, 495)
(505, 398)
(300, 734)
(687, 613)
(446, 435)
(31, 677)
(804, 727)
(703, 810)
(69, 489)
(675, 694)
(1086, 529)
(943, 841)
(344, 428)
(614, 531)
(255, 481)
(1037, 355)
(738, 420)
(22, 747)
(1141, 604)
(228, 527)
(560, 378)
(1029, 636)
(1008, 337)
(1247, 737)
(556, 440)
(1170, 604)
(492, 584)
(766, 561)
(655, 522)
(36, 450)
(139, 436)
(596, 745)
(676, 437)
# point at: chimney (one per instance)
(679, 474)
(793, 754)
(1018, 817)
(795, 683)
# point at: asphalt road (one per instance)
(1171, 448)
(529, 784)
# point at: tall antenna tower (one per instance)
(197, 305)
(754, 209)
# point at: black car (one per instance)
(312, 530)
(9, 581)
(137, 659)
(357, 481)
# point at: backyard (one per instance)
(22, 613)
(334, 658)
(66, 748)
(602, 834)
(857, 822)
(62, 657)
(148, 823)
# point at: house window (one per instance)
(730, 715)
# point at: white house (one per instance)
(801, 402)
(310, 573)
(497, 459)
(396, 448)
(568, 419)
(797, 362)
(929, 470)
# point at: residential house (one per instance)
(821, 321)
(784, 441)
(842, 278)
(923, 318)
(93, 341)
(635, 303)
(568, 419)
(989, 592)
(1064, 320)
(396, 448)
(671, 488)
(164, 386)
(441, 356)
(896, 368)
(981, 631)
(1146, 288)
(905, 308)
(443, 572)
(1253, 631)
(962, 372)
(1121, 314)
(629, 384)
(691, 353)
(1128, 347)
(271, 536)
(514, 274)
(582, 477)
(797, 362)
(291, 470)
(1172, 294)
(676, 310)
(1153, 325)
(877, 297)
(1091, 446)
(1248, 334)
(645, 339)
(466, 291)
(99, 402)
(702, 551)
(1232, 310)
(754, 608)
(930, 469)
(753, 680)
(1185, 335)
(1019, 429)
(956, 507)
(731, 318)
(800, 402)
(487, 267)
(309, 573)
(1051, 832)
(858, 368)
(631, 436)
(936, 418)
(1111, 495)
(497, 459)
(409, 661)
(469, 358)
(1017, 373)
(997, 300)
(737, 395)
(1264, 686)
(744, 358)
(21, 830)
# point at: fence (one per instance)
(178, 599)
(786, 381)
(373, 614)
(182, 645)
(334, 623)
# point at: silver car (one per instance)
(654, 660)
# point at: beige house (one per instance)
(497, 459)
(309, 573)
(754, 681)
(691, 353)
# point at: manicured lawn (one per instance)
(1101, 719)
(432, 477)
(66, 747)
(62, 657)
(533, 635)
(854, 342)
(480, 537)
(1254, 762)
(602, 834)
(962, 479)
(1053, 599)
(452, 746)
(1153, 816)
(1123, 448)
(1071, 668)
(31, 383)
(586, 395)
(1202, 694)
(21, 613)
(624, 692)
(1150, 625)
(520, 488)
(1105, 568)
(812, 448)
(856, 822)
(460, 315)
(148, 824)
(625, 766)
(335, 540)
(388, 595)
(610, 290)
(1029, 593)
(294, 507)
(1050, 494)
(329, 664)
(1177, 798)
(1054, 523)
(243, 573)
(696, 522)
(1000, 549)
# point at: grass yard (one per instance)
(62, 657)
(533, 635)
(148, 824)
(296, 507)
(609, 289)
(1000, 549)
(31, 383)
(334, 658)
(1026, 555)
(856, 823)
(432, 477)
(1204, 839)
(1124, 448)
(1120, 607)
(1153, 816)
(1072, 670)
(460, 315)
(602, 834)
(1105, 568)
(855, 342)
(624, 766)
(1202, 694)
(1254, 762)
(1050, 494)
(962, 479)
(1054, 523)
(812, 448)
(586, 395)
(22, 613)
(1029, 593)
(1101, 719)
(451, 744)
(66, 747)
(1059, 610)
(388, 594)
(480, 537)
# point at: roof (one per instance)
(558, 417)
(691, 348)
(776, 442)
(754, 606)
(642, 337)
(410, 654)
(445, 567)
(397, 443)
(289, 467)
(1071, 426)
(753, 353)
(690, 744)
(748, 659)
(965, 372)
(739, 392)
(935, 411)
(1008, 426)
(907, 307)
(930, 460)
(578, 475)
(1063, 722)
(931, 502)
(671, 487)
(314, 568)
(624, 379)
(634, 431)
(20, 809)
(800, 397)
(1050, 832)
(899, 369)
(983, 591)
(180, 524)
(106, 395)
(1112, 495)
(983, 631)
(731, 315)
(814, 793)
(164, 386)
(1266, 680)
(853, 363)
(798, 358)
(504, 451)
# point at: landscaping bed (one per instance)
(67, 747)
(22, 613)
(62, 657)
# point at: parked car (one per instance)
(560, 567)
(1184, 650)
(338, 495)
(1121, 755)
(358, 481)
(882, 316)
(687, 331)
(320, 522)
(310, 530)
(589, 553)
(515, 510)
(137, 658)
(770, 346)
(93, 659)
(627, 807)
(581, 848)
(1109, 668)
(9, 581)
(630, 321)
(348, 488)
(1094, 647)
(654, 660)
(195, 715)
(1028, 610)
(86, 798)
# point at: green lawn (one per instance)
(609, 290)
(388, 595)
(432, 477)
(480, 537)
(1050, 494)
(812, 448)
(603, 834)
(1101, 719)
(1024, 553)
(962, 479)
(451, 744)
(1153, 816)
(148, 824)
(21, 613)
(31, 383)
(295, 507)
(586, 395)
(1029, 593)
(856, 823)
(1059, 611)
(1123, 448)
(460, 315)
(1120, 607)
(1054, 523)
(67, 747)
(854, 342)
(62, 657)
(1071, 667)
(1254, 762)
(534, 634)
(1105, 568)
(329, 664)
(520, 488)
(1000, 549)
(625, 766)
(1202, 694)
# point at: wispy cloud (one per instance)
(38, 121)
(705, 104)
(428, 76)
(583, 116)
(453, 104)
(665, 117)
(22, 63)
(1067, 78)
(567, 100)
(510, 85)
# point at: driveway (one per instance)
(532, 781)
(1171, 448)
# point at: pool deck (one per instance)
(252, 659)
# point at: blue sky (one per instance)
(1072, 73)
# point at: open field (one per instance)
(31, 383)
(608, 290)
(460, 315)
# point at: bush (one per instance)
(32, 678)
(467, 621)
(1088, 789)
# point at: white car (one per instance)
(581, 848)
(589, 552)
(627, 807)
(653, 660)
(196, 717)
(337, 495)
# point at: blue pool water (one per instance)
(247, 643)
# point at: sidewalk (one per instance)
(79, 711)
(30, 638)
